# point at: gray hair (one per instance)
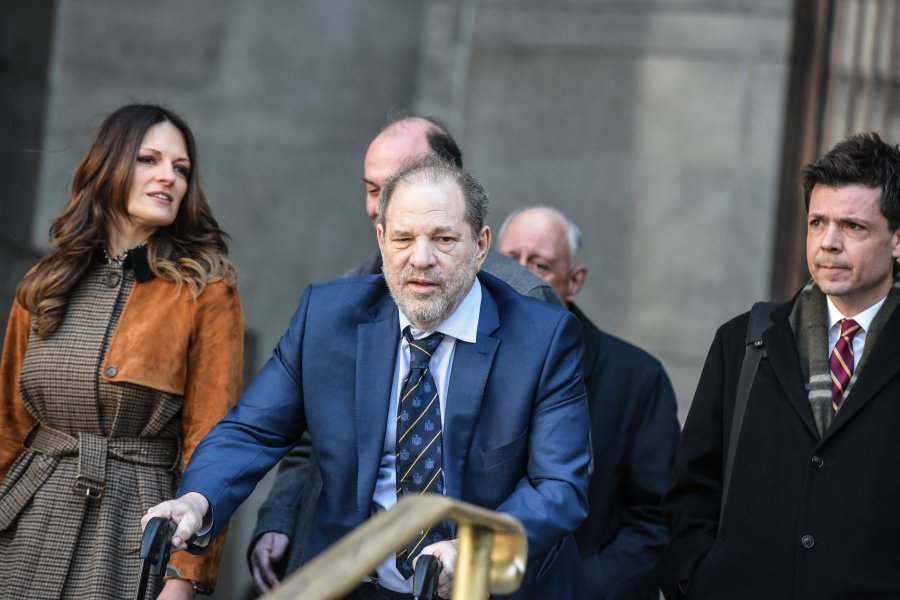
(573, 232)
(434, 169)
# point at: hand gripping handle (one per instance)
(155, 546)
(425, 577)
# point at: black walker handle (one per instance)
(155, 546)
(425, 578)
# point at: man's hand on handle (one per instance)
(186, 512)
(445, 552)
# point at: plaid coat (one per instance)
(96, 422)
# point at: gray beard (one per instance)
(426, 312)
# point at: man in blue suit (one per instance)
(634, 427)
(278, 543)
(513, 423)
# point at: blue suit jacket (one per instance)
(515, 427)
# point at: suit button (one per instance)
(817, 461)
(807, 541)
(112, 280)
(111, 371)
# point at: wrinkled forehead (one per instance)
(433, 205)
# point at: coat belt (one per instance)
(93, 450)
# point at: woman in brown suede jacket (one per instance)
(123, 348)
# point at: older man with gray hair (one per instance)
(634, 428)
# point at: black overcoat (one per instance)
(807, 517)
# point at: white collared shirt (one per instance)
(863, 319)
(462, 325)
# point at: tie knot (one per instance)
(421, 351)
(849, 328)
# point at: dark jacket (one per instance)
(807, 518)
(634, 430)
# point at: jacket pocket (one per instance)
(699, 583)
(501, 454)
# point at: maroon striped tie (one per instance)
(842, 362)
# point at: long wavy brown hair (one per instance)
(191, 251)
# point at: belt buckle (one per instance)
(89, 487)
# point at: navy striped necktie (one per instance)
(419, 449)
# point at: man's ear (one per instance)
(379, 233)
(484, 244)
(575, 283)
(895, 243)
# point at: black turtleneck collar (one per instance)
(135, 259)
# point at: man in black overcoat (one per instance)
(812, 504)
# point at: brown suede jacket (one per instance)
(197, 354)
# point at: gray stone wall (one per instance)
(25, 36)
(655, 125)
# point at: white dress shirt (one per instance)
(863, 319)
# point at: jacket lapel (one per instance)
(376, 352)
(880, 367)
(782, 351)
(468, 378)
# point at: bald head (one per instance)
(400, 142)
(546, 242)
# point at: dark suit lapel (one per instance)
(471, 365)
(782, 351)
(376, 352)
(880, 367)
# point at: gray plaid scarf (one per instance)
(809, 321)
